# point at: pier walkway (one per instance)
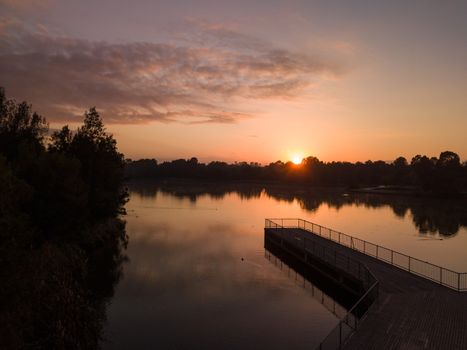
(419, 305)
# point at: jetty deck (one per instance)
(420, 305)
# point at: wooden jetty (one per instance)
(408, 303)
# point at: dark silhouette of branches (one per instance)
(443, 175)
(62, 239)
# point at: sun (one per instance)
(297, 160)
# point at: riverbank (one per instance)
(406, 191)
(292, 188)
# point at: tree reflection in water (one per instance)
(55, 296)
(441, 216)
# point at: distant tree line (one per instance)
(61, 236)
(445, 174)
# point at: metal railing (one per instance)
(350, 322)
(446, 277)
(331, 256)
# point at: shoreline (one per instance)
(389, 190)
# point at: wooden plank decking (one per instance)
(411, 312)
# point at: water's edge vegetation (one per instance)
(62, 237)
(445, 175)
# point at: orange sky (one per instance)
(239, 81)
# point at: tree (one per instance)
(423, 168)
(448, 173)
(102, 165)
(61, 240)
(400, 162)
(61, 140)
(20, 128)
(448, 159)
(401, 171)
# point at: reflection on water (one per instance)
(429, 215)
(431, 229)
(54, 295)
(197, 277)
(197, 273)
(312, 281)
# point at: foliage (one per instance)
(61, 238)
(443, 175)
(101, 164)
(20, 128)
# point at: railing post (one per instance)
(392, 257)
(377, 251)
(364, 246)
(440, 275)
(409, 263)
(458, 281)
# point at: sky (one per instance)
(246, 80)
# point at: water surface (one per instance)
(198, 275)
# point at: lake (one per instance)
(198, 275)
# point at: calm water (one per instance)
(198, 275)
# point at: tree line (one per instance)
(62, 239)
(443, 175)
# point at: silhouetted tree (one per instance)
(444, 176)
(448, 173)
(61, 237)
(402, 174)
(424, 170)
(61, 140)
(21, 130)
(102, 165)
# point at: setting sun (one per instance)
(297, 160)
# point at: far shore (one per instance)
(392, 190)
(404, 191)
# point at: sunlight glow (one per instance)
(297, 159)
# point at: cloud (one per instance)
(25, 4)
(202, 80)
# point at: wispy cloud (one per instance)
(199, 80)
(25, 4)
